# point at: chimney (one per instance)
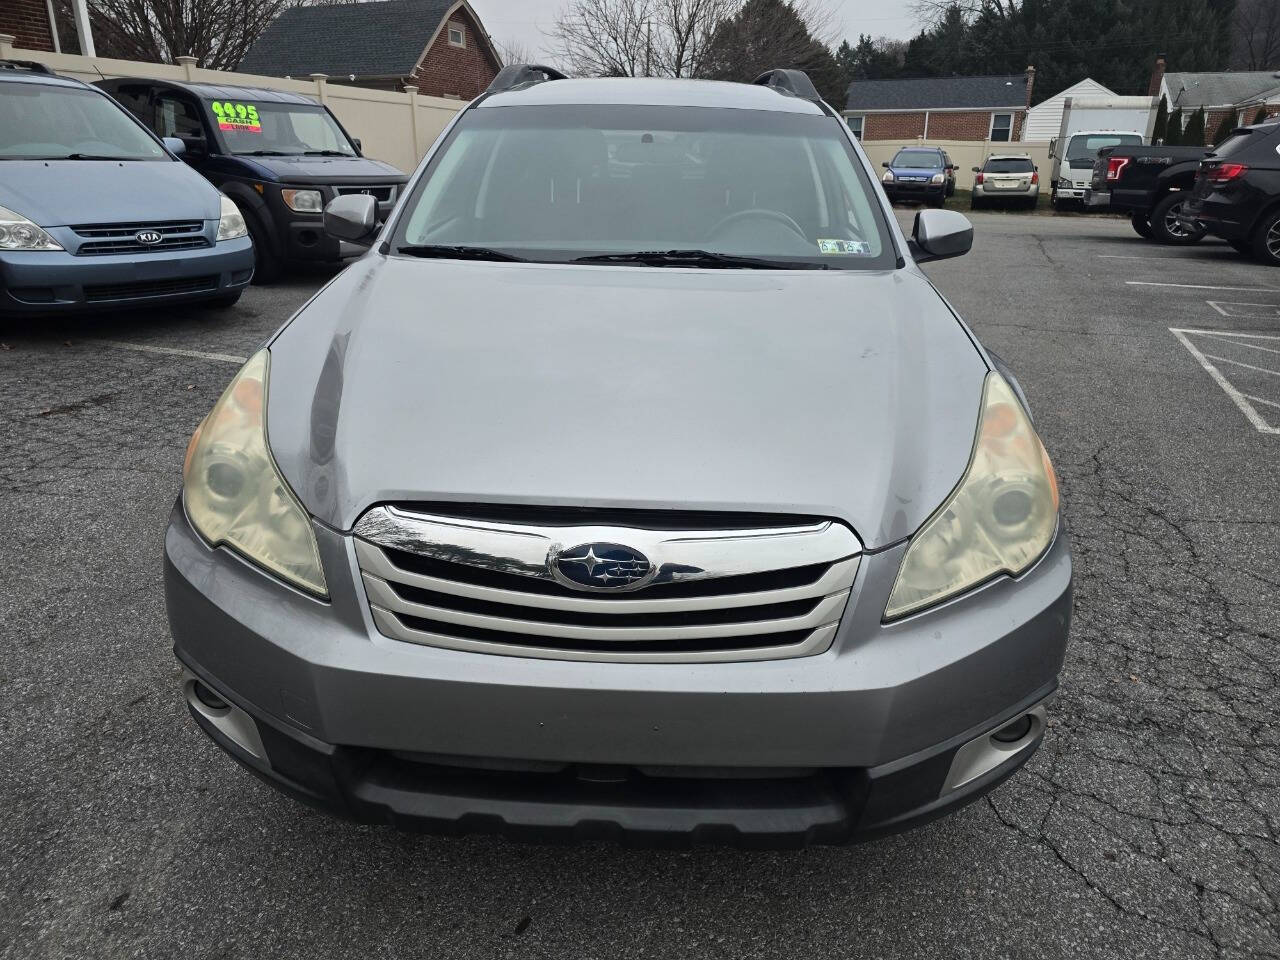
(1031, 84)
(1157, 75)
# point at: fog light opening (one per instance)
(1016, 730)
(308, 238)
(208, 697)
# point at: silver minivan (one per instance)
(636, 483)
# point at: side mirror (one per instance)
(940, 235)
(885, 164)
(353, 217)
(175, 146)
(358, 145)
(977, 169)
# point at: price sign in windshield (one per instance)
(241, 117)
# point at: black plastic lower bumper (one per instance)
(774, 809)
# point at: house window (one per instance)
(1001, 127)
(457, 35)
(855, 124)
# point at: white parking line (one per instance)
(1241, 400)
(1247, 366)
(1226, 308)
(1200, 286)
(174, 351)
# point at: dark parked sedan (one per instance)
(1237, 192)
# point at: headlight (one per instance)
(303, 201)
(938, 178)
(1000, 519)
(19, 233)
(230, 220)
(1064, 183)
(888, 177)
(235, 495)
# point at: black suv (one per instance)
(1237, 192)
(280, 156)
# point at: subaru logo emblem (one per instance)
(601, 566)
(149, 237)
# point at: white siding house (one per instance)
(1044, 119)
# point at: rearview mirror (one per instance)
(353, 217)
(940, 235)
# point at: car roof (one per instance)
(1009, 156)
(222, 91)
(921, 147)
(652, 91)
(8, 75)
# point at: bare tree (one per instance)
(514, 51)
(931, 12)
(1257, 29)
(606, 38)
(218, 33)
(664, 38)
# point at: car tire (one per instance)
(266, 265)
(975, 204)
(1266, 239)
(1141, 225)
(1165, 227)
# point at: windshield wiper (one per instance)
(266, 153)
(84, 156)
(327, 153)
(439, 251)
(698, 258)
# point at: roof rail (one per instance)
(30, 65)
(795, 83)
(523, 75)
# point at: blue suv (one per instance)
(96, 212)
(920, 174)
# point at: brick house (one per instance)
(29, 22)
(438, 45)
(941, 108)
(1235, 94)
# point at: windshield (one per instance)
(280, 129)
(560, 183)
(1009, 165)
(1085, 146)
(44, 122)
(920, 159)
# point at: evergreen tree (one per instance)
(1224, 129)
(1193, 136)
(1161, 128)
(1173, 135)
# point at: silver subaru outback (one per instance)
(636, 483)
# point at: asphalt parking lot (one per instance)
(1147, 825)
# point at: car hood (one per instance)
(326, 169)
(57, 193)
(846, 394)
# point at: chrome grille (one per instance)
(713, 595)
(103, 239)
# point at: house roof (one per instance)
(1191, 90)
(384, 39)
(1087, 87)
(938, 93)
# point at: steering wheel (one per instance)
(760, 213)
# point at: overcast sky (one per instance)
(527, 21)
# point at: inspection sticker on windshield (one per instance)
(242, 117)
(845, 248)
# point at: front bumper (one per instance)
(59, 282)
(909, 190)
(855, 742)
